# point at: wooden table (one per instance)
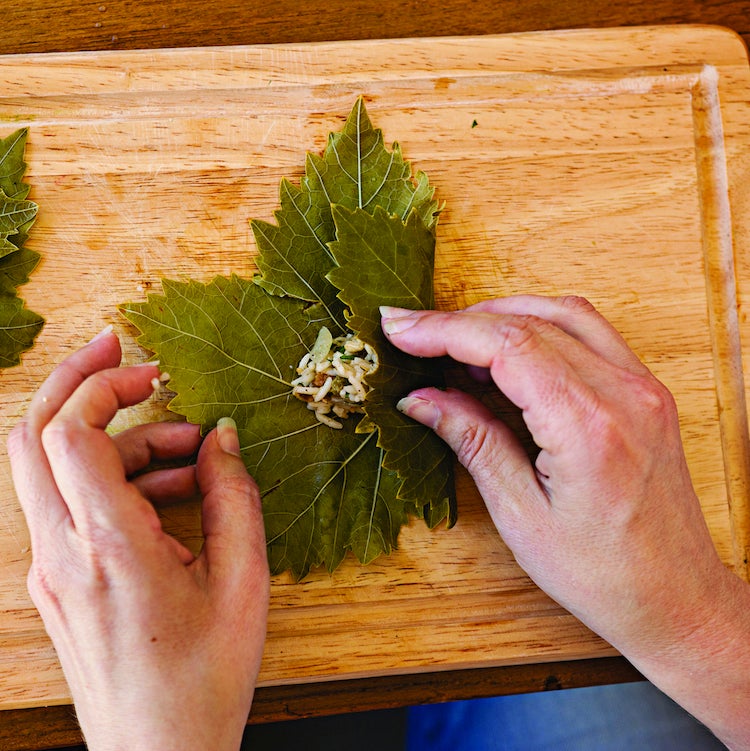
(61, 25)
(38, 26)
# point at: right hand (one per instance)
(605, 519)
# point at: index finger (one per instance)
(85, 461)
(528, 358)
(103, 351)
(575, 316)
(42, 504)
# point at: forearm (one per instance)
(704, 663)
(161, 648)
(604, 518)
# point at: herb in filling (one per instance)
(331, 377)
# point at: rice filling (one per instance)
(331, 377)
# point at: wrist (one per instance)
(166, 735)
(702, 656)
(174, 724)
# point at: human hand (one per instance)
(161, 649)
(605, 518)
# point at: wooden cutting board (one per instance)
(612, 164)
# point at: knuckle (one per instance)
(651, 411)
(518, 333)
(576, 304)
(43, 583)
(655, 400)
(59, 433)
(473, 445)
(606, 426)
(241, 482)
(239, 485)
(60, 582)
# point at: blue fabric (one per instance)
(626, 717)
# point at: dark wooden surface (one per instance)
(54, 727)
(54, 25)
(68, 25)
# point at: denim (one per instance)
(624, 717)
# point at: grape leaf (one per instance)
(15, 270)
(18, 325)
(12, 164)
(384, 261)
(231, 347)
(14, 215)
(355, 171)
(18, 328)
(291, 252)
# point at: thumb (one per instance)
(235, 541)
(485, 445)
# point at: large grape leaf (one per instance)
(231, 348)
(355, 171)
(19, 326)
(382, 260)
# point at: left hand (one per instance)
(161, 649)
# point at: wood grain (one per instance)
(280, 703)
(610, 164)
(64, 25)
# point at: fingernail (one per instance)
(396, 320)
(421, 410)
(226, 432)
(389, 311)
(106, 330)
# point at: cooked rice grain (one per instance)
(335, 381)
